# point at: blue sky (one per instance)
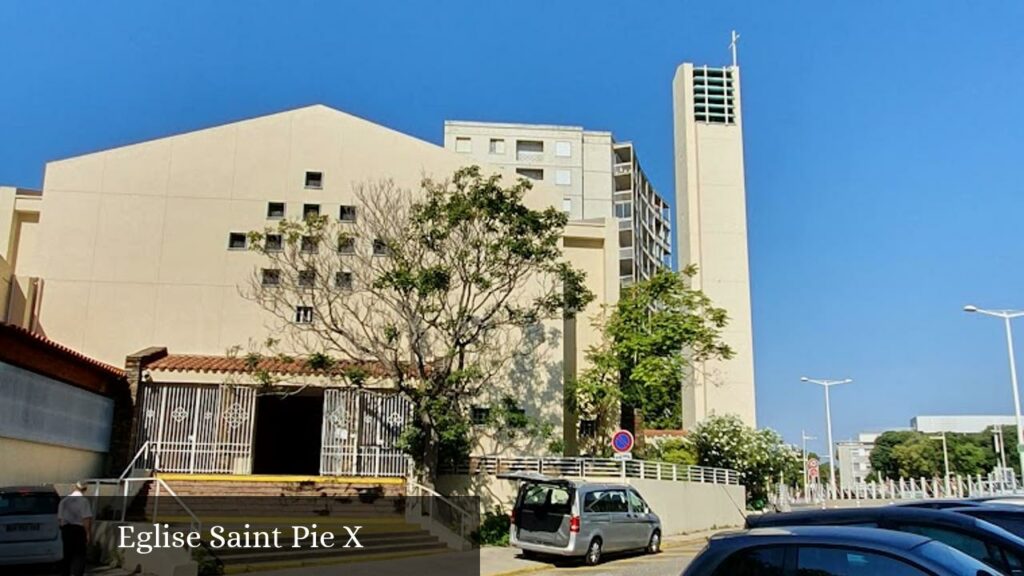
(883, 143)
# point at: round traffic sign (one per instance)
(622, 441)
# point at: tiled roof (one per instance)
(240, 364)
(20, 333)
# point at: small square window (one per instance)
(270, 277)
(273, 243)
(567, 205)
(275, 210)
(237, 241)
(343, 280)
(307, 278)
(304, 314)
(310, 211)
(623, 210)
(380, 247)
(346, 245)
(497, 146)
(531, 173)
(315, 180)
(563, 177)
(463, 145)
(347, 213)
(308, 245)
(588, 428)
(563, 149)
(481, 415)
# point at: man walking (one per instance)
(75, 517)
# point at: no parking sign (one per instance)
(622, 442)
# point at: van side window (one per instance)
(637, 504)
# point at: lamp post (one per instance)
(826, 384)
(945, 459)
(803, 442)
(1008, 315)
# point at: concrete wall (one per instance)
(29, 463)
(683, 507)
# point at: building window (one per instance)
(481, 415)
(588, 428)
(237, 241)
(529, 150)
(307, 278)
(315, 180)
(310, 211)
(563, 177)
(346, 245)
(464, 145)
(531, 173)
(343, 280)
(380, 247)
(275, 210)
(563, 149)
(497, 146)
(623, 209)
(270, 277)
(274, 243)
(567, 205)
(347, 213)
(304, 314)
(309, 244)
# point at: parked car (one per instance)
(29, 533)
(554, 516)
(984, 541)
(828, 550)
(942, 504)
(1009, 517)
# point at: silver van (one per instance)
(580, 519)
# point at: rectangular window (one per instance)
(309, 245)
(273, 243)
(623, 210)
(567, 205)
(464, 145)
(347, 213)
(563, 149)
(304, 314)
(343, 280)
(307, 278)
(237, 241)
(563, 177)
(531, 173)
(346, 245)
(310, 211)
(588, 428)
(481, 415)
(380, 247)
(275, 210)
(529, 150)
(497, 146)
(270, 277)
(315, 180)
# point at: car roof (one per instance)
(939, 504)
(847, 535)
(1000, 508)
(860, 514)
(26, 489)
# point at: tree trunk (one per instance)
(428, 464)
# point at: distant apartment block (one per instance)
(959, 424)
(854, 459)
(596, 176)
(711, 224)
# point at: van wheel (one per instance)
(593, 557)
(654, 546)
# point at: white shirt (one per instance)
(74, 509)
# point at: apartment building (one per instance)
(854, 459)
(590, 176)
(711, 225)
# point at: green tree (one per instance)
(914, 454)
(672, 450)
(881, 460)
(650, 335)
(443, 291)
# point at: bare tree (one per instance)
(435, 287)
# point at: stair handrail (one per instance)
(144, 449)
(464, 515)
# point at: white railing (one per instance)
(597, 468)
(903, 489)
(423, 501)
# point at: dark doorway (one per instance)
(288, 434)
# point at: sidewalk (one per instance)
(505, 561)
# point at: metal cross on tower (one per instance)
(732, 46)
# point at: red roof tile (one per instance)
(240, 364)
(14, 331)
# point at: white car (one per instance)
(29, 532)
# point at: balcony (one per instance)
(626, 253)
(525, 156)
(623, 168)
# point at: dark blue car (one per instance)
(828, 551)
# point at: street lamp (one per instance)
(1008, 315)
(826, 384)
(803, 440)
(945, 459)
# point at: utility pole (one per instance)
(945, 459)
(826, 384)
(803, 442)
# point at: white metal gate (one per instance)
(197, 428)
(360, 430)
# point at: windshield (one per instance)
(28, 503)
(953, 559)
